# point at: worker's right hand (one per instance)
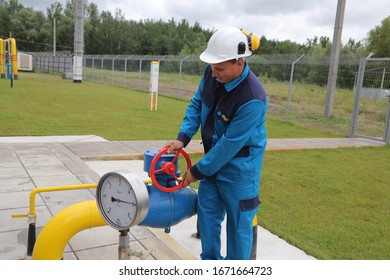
(174, 146)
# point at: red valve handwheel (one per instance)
(168, 168)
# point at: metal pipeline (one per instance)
(32, 215)
(63, 226)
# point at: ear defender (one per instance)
(253, 40)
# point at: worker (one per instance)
(230, 108)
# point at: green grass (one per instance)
(41, 104)
(332, 203)
(306, 106)
(48, 105)
(307, 109)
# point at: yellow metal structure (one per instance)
(13, 57)
(63, 226)
(8, 48)
(32, 214)
(2, 58)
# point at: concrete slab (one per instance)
(12, 172)
(12, 200)
(52, 139)
(29, 162)
(59, 180)
(17, 184)
(95, 238)
(13, 245)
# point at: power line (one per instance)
(37, 43)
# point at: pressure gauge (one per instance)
(122, 199)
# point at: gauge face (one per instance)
(122, 199)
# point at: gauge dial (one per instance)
(122, 199)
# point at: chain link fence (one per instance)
(372, 100)
(61, 62)
(298, 91)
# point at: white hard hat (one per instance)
(225, 44)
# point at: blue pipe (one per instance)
(167, 209)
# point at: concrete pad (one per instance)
(12, 172)
(111, 253)
(52, 139)
(66, 197)
(160, 250)
(103, 167)
(141, 232)
(13, 245)
(95, 238)
(85, 149)
(14, 200)
(31, 149)
(115, 147)
(7, 223)
(59, 180)
(41, 161)
(16, 184)
(52, 170)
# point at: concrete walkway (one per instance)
(31, 162)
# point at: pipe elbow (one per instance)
(63, 226)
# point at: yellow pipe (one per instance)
(63, 226)
(2, 59)
(13, 56)
(54, 189)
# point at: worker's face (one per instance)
(227, 71)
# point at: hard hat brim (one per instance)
(212, 59)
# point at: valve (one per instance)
(168, 167)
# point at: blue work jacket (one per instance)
(232, 121)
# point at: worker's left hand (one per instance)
(188, 178)
(174, 146)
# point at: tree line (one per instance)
(105, 33)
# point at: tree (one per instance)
(379, 39)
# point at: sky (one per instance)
(294, 20)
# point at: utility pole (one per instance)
(54, 36)
(334, 59)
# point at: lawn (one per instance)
(332, 203)
(41, 104)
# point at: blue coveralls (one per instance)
(231, 117)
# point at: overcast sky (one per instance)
(295, 20)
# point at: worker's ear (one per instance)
(240, 62)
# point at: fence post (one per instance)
(102, 70)
(180, 71)
(290, 86)
(386, 136)
(140, 70)
(113, 69)
(125, 71)
(355, 112)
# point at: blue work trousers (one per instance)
(240, 204)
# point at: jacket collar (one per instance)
(234, 83)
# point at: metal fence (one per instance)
(296, 85)
(133, 70)
(372, 83)
(62, 62)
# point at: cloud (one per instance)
(296, 20)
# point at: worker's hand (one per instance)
(188, 178)
(174, 146)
